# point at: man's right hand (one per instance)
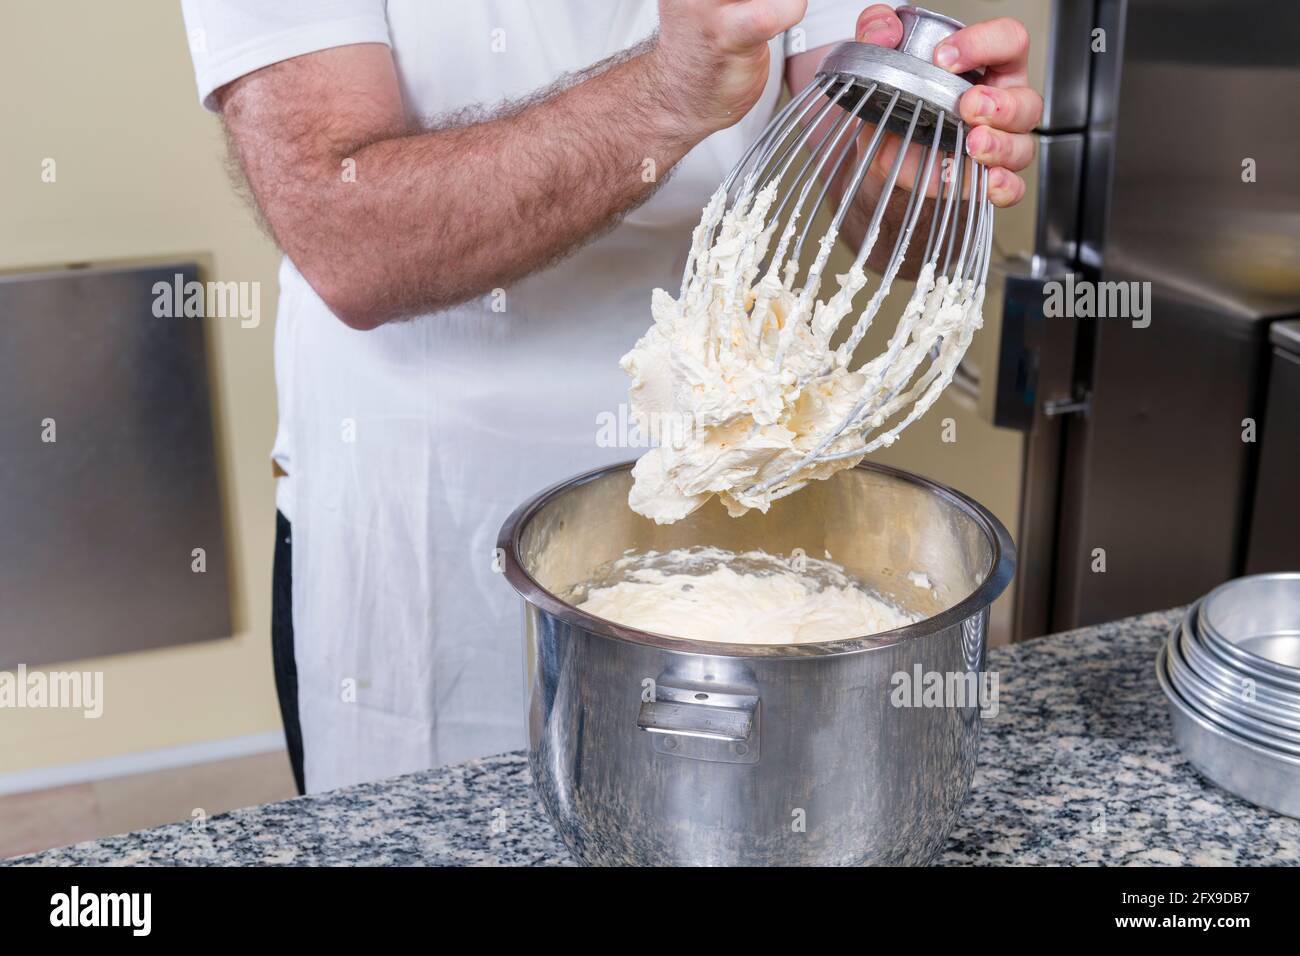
(711, 56)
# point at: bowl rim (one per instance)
(1001, 570)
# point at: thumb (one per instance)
(879, 25)
(755, 22)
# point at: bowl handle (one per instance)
(702, 724)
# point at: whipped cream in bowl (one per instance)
(711, 594)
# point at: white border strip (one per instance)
(144, 761)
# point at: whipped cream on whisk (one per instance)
(744, 362)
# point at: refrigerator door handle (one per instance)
(1055, 407)
(1035, 353)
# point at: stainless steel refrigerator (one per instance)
(1169, 172)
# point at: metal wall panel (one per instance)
(99, 526)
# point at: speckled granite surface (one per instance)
(1078, 767)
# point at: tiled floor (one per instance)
(86, 811)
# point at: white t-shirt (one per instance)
(407, 446)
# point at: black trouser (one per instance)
(286, 668)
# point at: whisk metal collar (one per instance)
(891, 71)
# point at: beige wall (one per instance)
(106, 90)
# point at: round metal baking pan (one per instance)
(1255, 623)
(1280, 731)
(1269, 741)
(1234, 683)
(1264, 777)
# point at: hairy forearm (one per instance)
(413, 221)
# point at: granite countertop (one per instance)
(1078, 767)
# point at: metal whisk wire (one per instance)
(893, 91)
(854, 421)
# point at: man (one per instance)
(459, 282)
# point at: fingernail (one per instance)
(974, 143)
(946, 55)
(985, 105)
(875, 27)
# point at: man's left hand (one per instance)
(1001, 110)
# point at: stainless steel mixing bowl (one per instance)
(649, 749)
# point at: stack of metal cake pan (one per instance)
(1231, 671)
